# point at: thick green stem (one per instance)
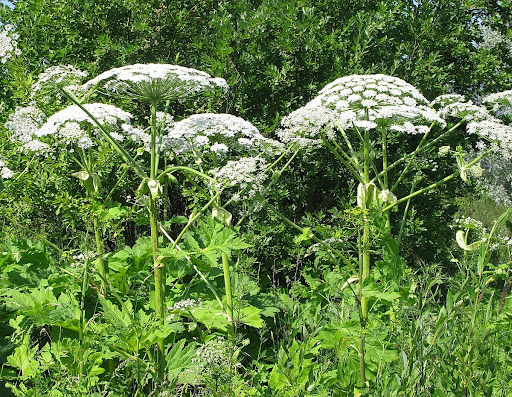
(229, 296)
(158, 268)
(404, 216)
(102, 265)
(364, 265)
(85, 283)
(385, 183)
(159, 274)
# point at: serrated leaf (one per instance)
(250, 315)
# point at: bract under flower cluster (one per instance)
(8, 43)
(362, 101)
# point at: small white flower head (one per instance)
(164, 123)
(66, 76)
(186, 305)
(378, 98)
(364, 124)
(464, 110)
(71, 125)
(8, 43)
(213, 358)
(223, 134)
(23, 125)
(444, 150)
(500, 102)
(305, 125)
(447, 99)
(218, 148)
(5, 172)
(492, 38)
(155, 82)
(247, 175)
(456, 107)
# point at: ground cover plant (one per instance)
(352, 240)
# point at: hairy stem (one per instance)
(229, 296)
(158, 269)
(102, 265)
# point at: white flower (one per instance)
(202, 140)
(8, 43)
(354, 98)
(219, 148)
(241, 172)
(246, 173)
(305, 125)
(369, 125)
(504, 97)
(213, 359)
(5, 172)
(443, 100)
(183, 81)
(350, 100)
(60, 122)
(23, 125)
(369, 93)
(186, 305)
(455, 106)
(60, 75)
(164, 120)
(224, 132)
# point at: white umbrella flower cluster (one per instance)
(362, 101)
(234, 149)
(8, 43)
(247, 174)
(66, 76)
(5, 172)
(222, 134)
(480, 120)
(73, 126)
(500, 102)
(487, 121)
(455, 106)
(23, 125)
(155, 82)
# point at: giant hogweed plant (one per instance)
(205, 146)
(355, 117)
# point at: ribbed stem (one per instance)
(364, 266)
(158, 269)
(229, 296)
(103, 269)
(384, 167)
